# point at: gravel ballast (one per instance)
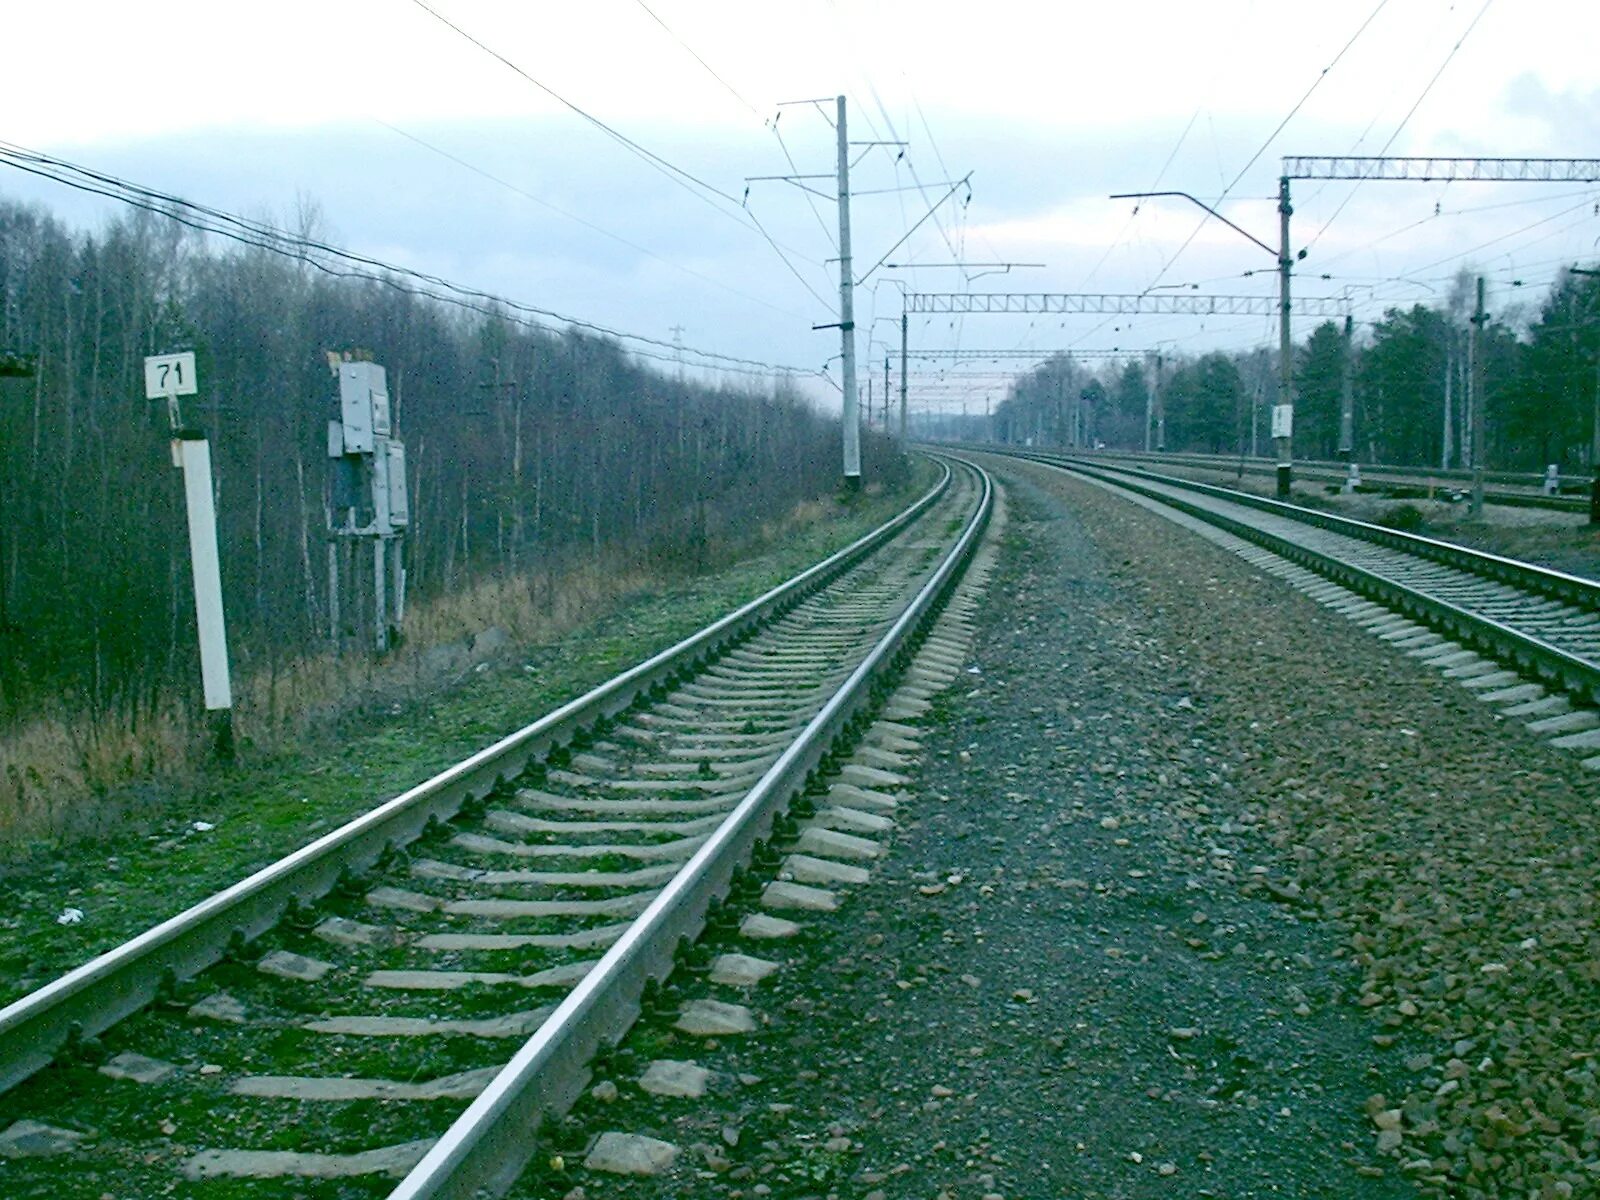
(1198, 890)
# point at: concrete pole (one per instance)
(1283, 415)
(1149, 410)
(1161, 410)
(380, 607)
(333, 589)
(194, 455)
(847, 315)
(1475, 401)
(1347, 396)
(1347, 405)
(902, 377)
(1594, 454)
(1449, 402)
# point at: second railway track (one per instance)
(1518, 634)
(355, 1012)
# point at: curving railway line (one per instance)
(392, 1010)
(408, 996)
(1522, 636)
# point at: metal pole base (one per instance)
(852, 484)
(1594, 501)
(1285, 471)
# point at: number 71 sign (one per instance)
(168, 375)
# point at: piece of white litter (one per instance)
(70, 916)
(203, 827)
(974, 671)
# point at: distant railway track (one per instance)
(1508, 629)
(438, 972)
(1509, 488)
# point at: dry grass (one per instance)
(68, 774)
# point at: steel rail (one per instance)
(494, 1138)
(1381, 477)
(1576, 674)
(118, 983)
(1570, 589)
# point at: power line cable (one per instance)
(685, 177)
(206, 219)
(732, 91)
(587, 224)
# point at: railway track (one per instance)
(1522, 637)
(1508, 488)
(411, 995)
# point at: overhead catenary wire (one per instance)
(773, 126)
(1495, 241)
(954, 188)
(1410, 112)
(708, 193)
(587, 224)
(1272, 137)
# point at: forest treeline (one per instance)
(526, 448)
(1409, 383)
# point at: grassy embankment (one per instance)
(338, 743)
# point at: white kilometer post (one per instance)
(166, 377)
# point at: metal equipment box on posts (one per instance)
(367, 498)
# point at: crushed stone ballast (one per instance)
(438, 972)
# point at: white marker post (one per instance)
(166, 377)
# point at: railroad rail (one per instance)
(1519, 489)
(1545, 622)
(577, 858)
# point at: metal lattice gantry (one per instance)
(1426, 169)
(981, 355)
(1423, 169)
(1106, 302)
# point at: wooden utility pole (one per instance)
(1475, 400)
(847, 314)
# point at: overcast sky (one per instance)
(393, 123)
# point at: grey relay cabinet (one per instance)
(367, 499)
